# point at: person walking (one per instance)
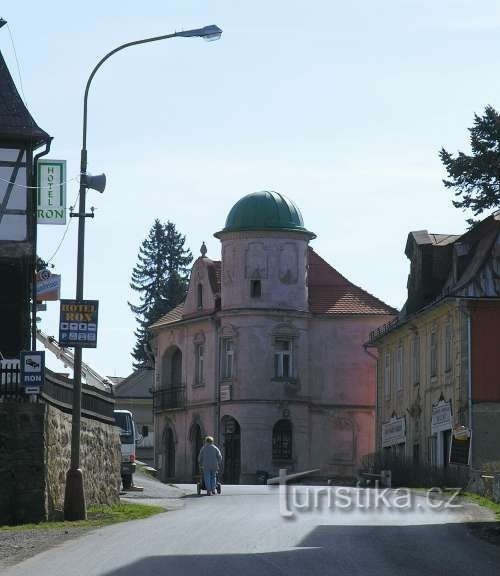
(210, 461)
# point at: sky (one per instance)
(341, 106)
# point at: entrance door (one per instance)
(196, 444)
(169, 454)
(232, 450)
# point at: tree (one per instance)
(476, 178)
(161, 277)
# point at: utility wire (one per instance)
(17, 62)
(74, 179)
(64, 233)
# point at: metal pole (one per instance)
(74, 498)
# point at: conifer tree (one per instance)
(475, 178)
(161, 278)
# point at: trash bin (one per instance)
(261, 476)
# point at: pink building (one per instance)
(266, 354)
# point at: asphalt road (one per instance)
(242, 532)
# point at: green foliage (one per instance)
(97, 516)
(161, 277)
(475, 178)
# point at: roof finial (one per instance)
(203, 250)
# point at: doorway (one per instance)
(196, 445)
(169, 454)
(232, 450)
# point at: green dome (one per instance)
(265, 211)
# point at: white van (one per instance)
(125, 422)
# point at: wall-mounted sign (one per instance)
(441, 417)
(32, 371)
(48, 286)
(460, 446)
(78, 323)
(225, 393)
(394, 432)
(51, 178)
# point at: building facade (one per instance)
(437, 366)
(266, 354)
(135, 393)
(20, 137)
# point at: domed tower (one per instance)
(264, 254)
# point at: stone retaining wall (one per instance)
(35, 444)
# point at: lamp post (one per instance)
(74, 498)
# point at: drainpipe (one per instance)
(376, 358)
(217, 381)
(469, 378)
(34, 204)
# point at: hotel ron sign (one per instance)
(51, 179)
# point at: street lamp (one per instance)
(74, 497)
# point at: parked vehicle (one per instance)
(125, 421)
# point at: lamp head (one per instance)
(209, 33)
(2, 22)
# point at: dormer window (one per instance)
(200, 296)
(255, 289)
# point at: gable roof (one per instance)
(16, 122)
(331, 293)
(137, 385)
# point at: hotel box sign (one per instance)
(441, 417)
(78, 323)
(51, 179)
(394, 432)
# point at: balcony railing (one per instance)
(169, 398)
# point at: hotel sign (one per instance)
(394, 432)
(441, 417)
(78, 323)
(51, 179)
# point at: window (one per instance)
(433, 365)
(200, 296)
(255, 289)
(282, 440)
(447, 347)
(416, 453)
(387, 375)
(399, 368)
(283, 367)
(199, 363)
(228, 357)
(415, 360)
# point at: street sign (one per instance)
(78, 323)
(32, 371)
(48, 286)
(51, 206)
(460, 446)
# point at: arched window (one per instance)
(282, 440)
(176, 369)
(171, 368)
(200, 296)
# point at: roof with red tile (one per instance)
(331, 293)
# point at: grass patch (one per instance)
(482, 501)
(146, 470)
(97, 516)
